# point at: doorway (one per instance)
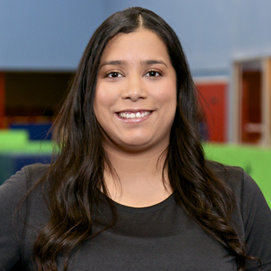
(252, 101)
(251, 95)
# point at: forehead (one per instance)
(142, 43)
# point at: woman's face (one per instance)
(135, 98)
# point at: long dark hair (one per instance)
(76, 176)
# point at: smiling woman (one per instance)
(135, 104)
(130, 188)
(135, 98)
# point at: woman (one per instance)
(131, 189)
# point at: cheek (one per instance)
(102, 99)
(167, 95)
(99, 106)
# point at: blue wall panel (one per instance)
(46, 35)
(51, 35)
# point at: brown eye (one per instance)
(113, 75)
(153, 74)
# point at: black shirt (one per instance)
(159, 237)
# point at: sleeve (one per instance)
(11, 226)
(257, 225)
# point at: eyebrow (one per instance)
(113, 62)
(143, 63)
(150, 62)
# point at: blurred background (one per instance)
(227, 43)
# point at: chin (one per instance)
(135, 145)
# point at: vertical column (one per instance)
(2, 99)
(266, 101)
(236, 104)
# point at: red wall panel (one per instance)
(2, 99)
(214, 102)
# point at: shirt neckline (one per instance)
(147, 209)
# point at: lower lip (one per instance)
(135, 120)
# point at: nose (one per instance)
(134, 89)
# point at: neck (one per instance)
(139, 179)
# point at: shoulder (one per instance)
(251, 216)
(247, 193)
(14, 213)
(34, 172)
(236, 178)
(245, 189)
(18, 184)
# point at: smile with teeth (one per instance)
(133, 115)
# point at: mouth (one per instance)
(134, 114)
